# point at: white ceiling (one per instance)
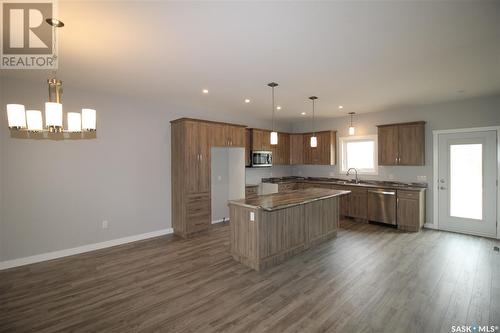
(367, 56)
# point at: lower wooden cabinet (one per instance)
(358, 203)
(410, 210)
(198, 211)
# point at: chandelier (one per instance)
(20, 119)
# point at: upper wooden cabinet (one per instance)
(224, 135)
(248, 147)
(401, 144)
(296, 149)
(281, 151)
(324, 153)
(261, 139)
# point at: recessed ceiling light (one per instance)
(278, 107)
(340, 107)
(303, 113)
(247, 100)
(205, 91)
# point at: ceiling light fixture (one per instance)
(340, 107)
(31, 120)
(278, 108)
(247, 101)
(352, 130)
(274, 134)
(303, 113)
(314, 139)
(205, 91)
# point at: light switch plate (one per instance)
(252, 216)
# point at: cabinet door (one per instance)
(326, 150)
(192, 155)
(358, 203)
(408, 213)
(284, 148)
(218, 135)
(308, 151)
(235, 136)
(296, 149)
(204, 140)
(388, 145)
(261, 139)
(248, 147)
(411, 144)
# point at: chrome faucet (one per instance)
(356, 171)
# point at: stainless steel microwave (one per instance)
(262, 158)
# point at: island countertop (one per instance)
(275, 201)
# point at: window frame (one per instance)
(343, 153)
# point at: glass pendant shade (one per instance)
(34, 120)
(74, 122)
(351, 130)
(16, 116)
(274, 138)
(314, 141)
(53, 115)
(88, 119)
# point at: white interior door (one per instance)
(467, 182)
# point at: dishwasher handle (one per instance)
(383, 192)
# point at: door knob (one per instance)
(442, 188)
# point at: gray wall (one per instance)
(55, 194)
(476, 112)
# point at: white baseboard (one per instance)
(221, 220)
(430, 226)
(81, 249)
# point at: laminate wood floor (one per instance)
(369, 279)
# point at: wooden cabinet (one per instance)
(401, 144)
(281, 151)
(261, 139)
(410, 210)
(248, 147)
(227, 135)
(324, 153)
(296, 149)
(358, 203)
(191, 142)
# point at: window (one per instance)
(359, 152)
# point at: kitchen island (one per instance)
(268, 229)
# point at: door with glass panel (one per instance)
(467, 182)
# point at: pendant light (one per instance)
(274, 134)
(352, 130)
(314, 139)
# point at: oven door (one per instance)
(262, 159)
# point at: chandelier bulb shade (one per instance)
(74, 122)
(89, 120)
(16, 116)
(53, 116)
(34, 120)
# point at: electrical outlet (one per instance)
(422, 178)
(252, 216)
(391, 176)
(105, 224)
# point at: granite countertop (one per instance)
(275, 201)
(336, 181)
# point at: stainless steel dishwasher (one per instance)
(382, 206)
